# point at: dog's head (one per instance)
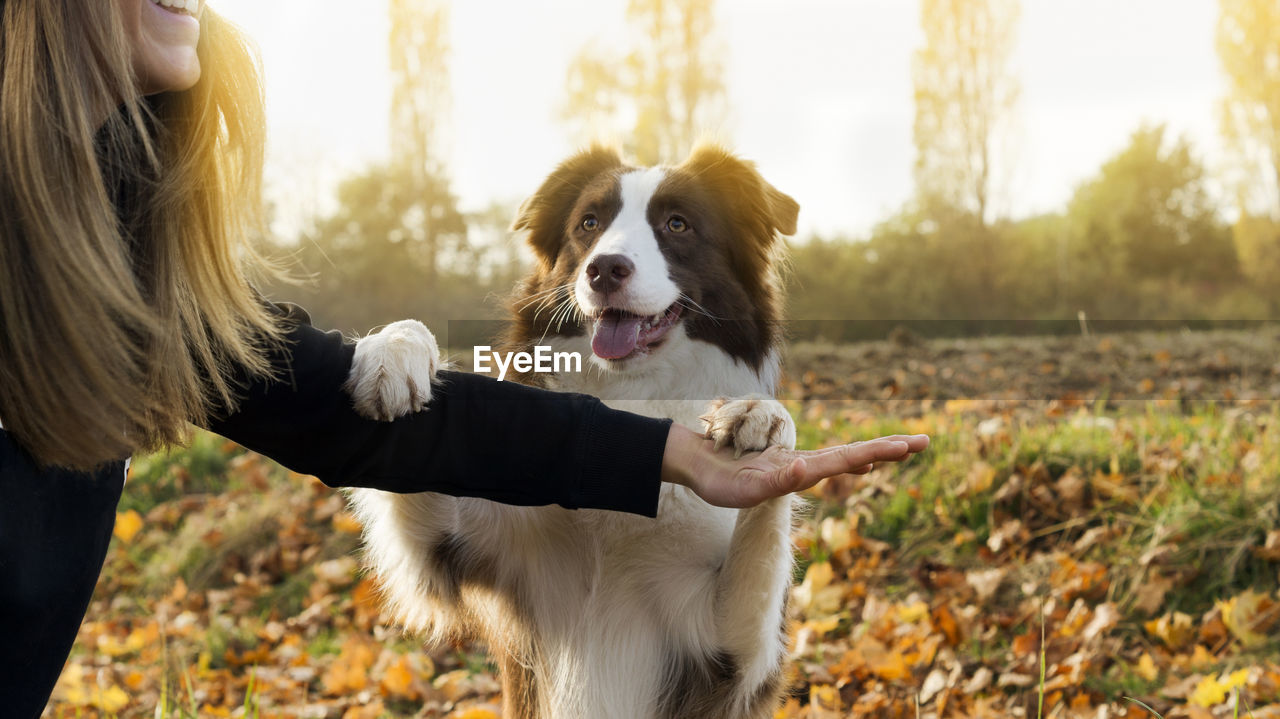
(643, 258)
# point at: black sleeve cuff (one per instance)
(621, 457)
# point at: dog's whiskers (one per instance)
(544, 296)
(547, 297)
(559, 314)
(569, 309)
(688, 303)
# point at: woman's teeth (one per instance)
(190, 6)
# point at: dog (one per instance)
(667, 279)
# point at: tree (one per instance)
(367, 264)
(661, 95)
(1146, 219)
(965, 98)
(418, 53)
(1248, 42)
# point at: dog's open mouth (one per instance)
(619, 334)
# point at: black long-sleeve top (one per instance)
(477, 438)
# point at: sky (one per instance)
(819, 93)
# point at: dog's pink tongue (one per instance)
(616, 335)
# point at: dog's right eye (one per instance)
(590, 223)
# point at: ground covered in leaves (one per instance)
(1095, 532)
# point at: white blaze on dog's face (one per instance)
(648, 256)
(623, 285)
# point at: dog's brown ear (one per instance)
(741, 184)
(546, 214)
(785, 210)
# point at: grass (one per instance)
(187, 706)
(1158, 479)
(1191, 484)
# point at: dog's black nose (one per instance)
(607, 273)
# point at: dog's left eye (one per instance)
(677, 224)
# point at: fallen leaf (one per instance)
(981, 477)
(128, 524)
(349, 671)
(985, 582)
(934, 683)
(398, 681)
(836, 534)
(337, 572)
(1212, 691)
(1174, 629)
(1105, 616)
(1014, 679)
(980, 680)
(453, 685)
(1150, 595)
(1270, 549)
(824, 700)
(1146, 667)
(816, 595)
(1248, 616)
(880, 661)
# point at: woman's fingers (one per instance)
(915, 443)
(778, 471)
(811, 467)
(849, 457)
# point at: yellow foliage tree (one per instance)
(659, 98)
(965, 97)
(1248, 42)
(418, 48)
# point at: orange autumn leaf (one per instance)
(128, 524)
(398, 681)
(881, 661)
(945, 622)
(252, 657)
(133, 680)
(349, 672)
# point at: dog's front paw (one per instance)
(749, 424)
(393, 370)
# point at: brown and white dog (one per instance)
(667, 279)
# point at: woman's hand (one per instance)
(721, 480)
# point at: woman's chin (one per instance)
(178, 71)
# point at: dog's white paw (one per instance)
(393, 370)
(749, 424)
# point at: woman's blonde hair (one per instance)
(124, 245)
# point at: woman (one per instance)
(131, 141)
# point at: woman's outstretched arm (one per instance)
(506, 442)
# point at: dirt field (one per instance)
(1212, 365)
